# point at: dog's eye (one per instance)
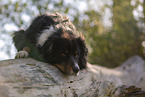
(76, 54)
(63, 54)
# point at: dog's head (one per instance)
(65, 51)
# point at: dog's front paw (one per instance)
(21, 54)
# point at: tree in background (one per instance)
(144, 10)
(127, 36)
(113, 46)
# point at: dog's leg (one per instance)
(23, 53)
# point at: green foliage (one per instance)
(110, 49)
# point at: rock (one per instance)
(30, 78)
(131, 72)
(134, 74)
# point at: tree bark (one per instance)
(144, 10)
(31, 78)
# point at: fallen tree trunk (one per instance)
(30, 78)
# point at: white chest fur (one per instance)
(45, 35)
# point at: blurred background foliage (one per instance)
(114, 29)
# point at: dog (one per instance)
(52, 38)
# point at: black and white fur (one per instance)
(54, 39)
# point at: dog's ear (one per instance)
(19, 39)
(83, 53)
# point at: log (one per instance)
(30, 78)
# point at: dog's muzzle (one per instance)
(74, 65)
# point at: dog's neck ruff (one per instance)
(45, 35)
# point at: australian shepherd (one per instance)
(54, 39)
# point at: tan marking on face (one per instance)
(65, 68)
(76, 51)
(26, 49)
(63, 54)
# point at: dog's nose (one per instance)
(74, 65)
(76, 69)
